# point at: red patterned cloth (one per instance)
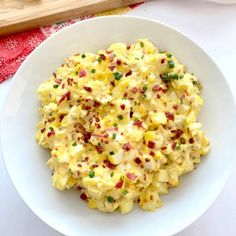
(16, 47)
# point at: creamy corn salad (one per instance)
(121, 125)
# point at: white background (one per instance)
(211, 25)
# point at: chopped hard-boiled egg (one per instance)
(121, 125)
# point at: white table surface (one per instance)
(213, 26)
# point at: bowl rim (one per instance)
(35, 51)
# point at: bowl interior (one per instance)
(26, 161)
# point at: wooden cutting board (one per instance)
(20, 15)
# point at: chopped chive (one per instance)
(122, 177)
(135, 103)
(55, 86)
(93, 71)
(136, 58)
(113, 136)
(110, 199)
(51, 128)
(175, 77)
(115, 124)
(194, 82)
(83, 55)
(171, 64)
(99, 59)
(168, 55)
(117, 76)
(141, 44)
(112, 174)
(120, 117)
(125, 191)
(144, 95)
(177, 147)
(111, 153)
(165, 78)
(91, 174)
(145, 87)
(74, 144)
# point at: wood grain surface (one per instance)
(20, 15)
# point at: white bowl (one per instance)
(64, 211)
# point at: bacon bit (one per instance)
(98, 126)
(50, 133)
(128, 47)
(134, 90)
(96, 104)
(182, 140)
(156, 88)
(152, 153)
(120, 184)
(174, 145)
(125, 94)
(54, 74)
(111, 56)
(82, 73)
(175, 106)
(58, 81)
(106, 142)
(169, 116)
(137, 161)
(88, 89)
(151, 144)
(147, 159)
(69, 81)
(131, 114)
(122, 106)
(177, 132)
(87, 136)
(63, 86)
(102, 56)
(162, 61)
(109, 164)
(86, 158)
(51, 119)
(79, 165)
(108, 52)
(160, 76)
(163, 148)
(164, 90)
(191, 140)
(118, 62)
(61, 117)
(105, 135)
(128, 73)
(131, 176)
(95, 165)
(138, 123)
(158, 96)
(42, 130)
(65, 96)
(113, 83)
(79, 188)
(127, 147)
(97, 119)
(116, 128)
(87, 108)
(99, 149)
(112, 105)
(111, 67)
(83, 196)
